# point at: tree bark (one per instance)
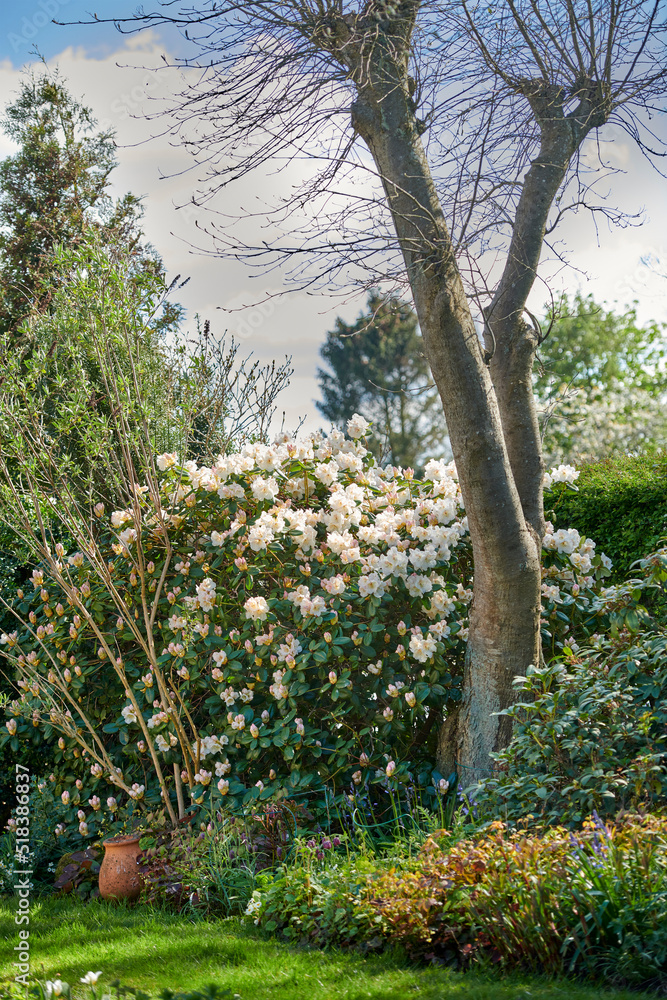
(504, 622)
(509, 340)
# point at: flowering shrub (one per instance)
(287, 622)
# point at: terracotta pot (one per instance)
(119, 875)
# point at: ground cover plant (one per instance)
(153, 950)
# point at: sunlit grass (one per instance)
(152, 950)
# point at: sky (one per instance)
(112, 74)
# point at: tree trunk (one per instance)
(504, 624)
(509, 340)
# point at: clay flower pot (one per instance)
(119, 875)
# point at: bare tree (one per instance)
(484, 124)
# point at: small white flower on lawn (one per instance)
(90, 978)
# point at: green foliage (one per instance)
(599, 379)
(49, 188)
(52, 191)
(377, 368)
(216, 869)
(314, 903)
(589, 730)
(622, 503)
(592, 902)
(591, 347)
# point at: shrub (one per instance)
(621, 503)
(313, 901)
(294, 614)
(589, 729)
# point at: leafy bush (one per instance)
(311, 901)
(621, 503)
(589, 729)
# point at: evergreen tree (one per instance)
(377, 368)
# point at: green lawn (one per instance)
(154, 950)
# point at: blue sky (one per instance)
(24, 26)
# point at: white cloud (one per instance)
(121, 87)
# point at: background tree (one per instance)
(473, 120)
(50, 188)
(600, 379)
(54, 191)
(377, 368)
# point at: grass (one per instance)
(152, 950)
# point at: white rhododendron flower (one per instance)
(357, 426)
(206, 594)
(129, 714)
(265, 489)
(334, 585)
(166, 461)
(423, 647)
(256, 609)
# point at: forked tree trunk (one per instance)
(504, 633)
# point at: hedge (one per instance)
(622, 504)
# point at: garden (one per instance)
(329, 714)
(236, 671)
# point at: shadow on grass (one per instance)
(153, 949)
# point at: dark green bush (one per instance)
(621, 503)
(589, 726)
